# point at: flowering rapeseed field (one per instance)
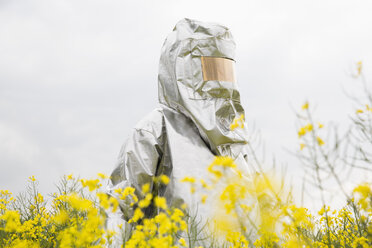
(77, 220)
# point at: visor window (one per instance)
(218, 69)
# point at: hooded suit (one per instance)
(198, 101)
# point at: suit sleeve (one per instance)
(136, 165)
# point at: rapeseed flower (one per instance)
(237, 122)
(359, 65)
(144, 203)
(91, 184)
(182, 242)
(302, 146)
(138, 214)
(160, 202)
(305, 106)
(320, 141)
(164, 179)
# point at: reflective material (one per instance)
(192, 123)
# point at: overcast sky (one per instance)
(76, 76)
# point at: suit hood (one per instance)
(197, 79)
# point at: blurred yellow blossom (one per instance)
(164, 179)
(146, 188)
(91, 184)
(320, 141)
(305, 129)
(368, 108)
(144, 203)
(102, 176)
(204, 199)
(237, 122)
(183, 242)
(359, 65)
(188, 179)
(305, 106)
(160, 202)
(138, 214)
(302, 146)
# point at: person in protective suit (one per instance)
(199, 100)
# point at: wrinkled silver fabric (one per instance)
(190, 127)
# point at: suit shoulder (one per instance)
(152, 123)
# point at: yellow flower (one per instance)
(61, 218)
(114, 203)
(138, 214)
(359, 111)
(363, 189)
(188, 179)
(182, 242)
(39, 198)
(302, 146)
(221, 161)
(365, 192)
(323, 210)
(231, 194)
(204, 199)
(177, 215)
(102, 176)
(246, 208)
(24, 244)
(160, 202)
(237, 239)
(237, 122)
(309, 127)
(320, 125)
(267, 239)
(69, 177)
(204, 184)
(32, 178)
(12, 220)
(128, 191)
(145, 188)
(224, 161)
(78, 202)
(305, 129)
(301, 132)
(359, 67)
(91, 184)
(234, 125)
(361, 242)
(320, 141)
(368, 108)
(192, 189)
(305, 106)
(164, 179)
(144, 203)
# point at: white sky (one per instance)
(75, 76)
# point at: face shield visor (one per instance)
(210, 97)
(218, 69)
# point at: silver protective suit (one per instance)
(190, 127)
